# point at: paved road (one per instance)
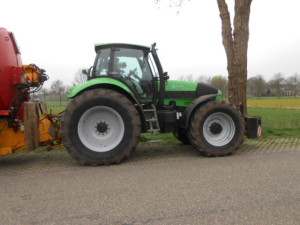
(159, 184)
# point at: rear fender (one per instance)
(184, 121)
(110, 83)
(90, 84)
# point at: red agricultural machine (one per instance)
(23, 124)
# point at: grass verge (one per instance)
(278, 122)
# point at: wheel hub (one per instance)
(102, 128)
(219, 129)
(216, 128)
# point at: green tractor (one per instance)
(127, 93)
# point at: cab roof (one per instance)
(121, 45)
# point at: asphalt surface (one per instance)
(159, 184)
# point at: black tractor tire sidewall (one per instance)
(110, 99)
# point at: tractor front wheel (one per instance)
(216, 129)
(100, 126)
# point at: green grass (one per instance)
(278, 122)
(56, 108)
(168, 138)
(277, 117)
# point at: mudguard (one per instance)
(105, 82)
(184, 121)
(90, 84)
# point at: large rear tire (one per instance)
(100, 127)
(216, 129)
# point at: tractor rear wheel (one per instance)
(216, 129)
(100, 127)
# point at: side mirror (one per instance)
(85, 71)
(166, 77)
(153, 46)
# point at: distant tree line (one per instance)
(257, 86)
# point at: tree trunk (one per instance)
(236, 46)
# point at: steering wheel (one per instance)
(133, 73)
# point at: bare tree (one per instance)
(67, 90)
(58, 88)
(44, 92)
(251, 86)
(256, 85)
(293, 83)
(189, 77)
(79, 77)
(277, 83)
(203, 79)
(221, 83)
(260, 85)
(235, 42)
(172, 4)
(181, 77)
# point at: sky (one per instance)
(59, 35)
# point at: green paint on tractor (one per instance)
(97, 81)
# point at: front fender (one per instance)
(184, 121)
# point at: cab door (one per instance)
(132, 66)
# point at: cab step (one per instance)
(151, 119)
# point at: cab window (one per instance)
(102, 63)
(132, 66)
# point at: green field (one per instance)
(280, 117)
(56, 107)
(278, 122)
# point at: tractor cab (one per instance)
(129, 64)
